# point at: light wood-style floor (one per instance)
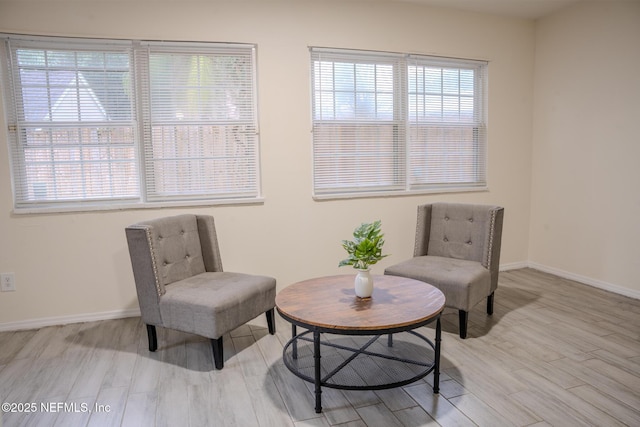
(554, 353)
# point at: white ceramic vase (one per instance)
(364, 283)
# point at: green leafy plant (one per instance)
(366, 247)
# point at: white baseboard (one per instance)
(64, 320)
(120, 314)
(631, 293)
(514, 266)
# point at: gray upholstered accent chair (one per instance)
(457, 250)
(181, 285)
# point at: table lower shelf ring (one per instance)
(362, 362)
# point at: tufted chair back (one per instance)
(461, 231)
(181, 246)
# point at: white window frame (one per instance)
(140, 169)
(418, 152)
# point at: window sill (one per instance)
(404, 193)
(88, 207)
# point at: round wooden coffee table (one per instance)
(335, 318)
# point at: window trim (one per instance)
(12, 105)
(405, 60)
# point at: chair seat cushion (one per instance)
(214, 303)
(463, 283)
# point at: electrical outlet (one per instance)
(7, 282)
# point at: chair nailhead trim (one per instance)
(492, 227)
(153, 261)
(416, 240)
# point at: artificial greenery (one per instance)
(366, 247)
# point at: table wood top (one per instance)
(330, 302)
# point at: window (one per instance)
(388, 123)
(99, 124)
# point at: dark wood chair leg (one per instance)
(153, 337)
(463, 317)
(271, 321)
(490, 304)
(218, 353)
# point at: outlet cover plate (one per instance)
(7, 282)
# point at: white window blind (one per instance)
(357, 122)
(72, 125)
(119, 123)
(201, 137)
(393, 123)
(447, 131)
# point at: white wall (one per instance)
(77, 263)
(586, 146)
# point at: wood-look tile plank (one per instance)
(499, 401)
(270, 346)
(109, 407)
(624, 413)
(439, 408)
(628, 330)
(59, 376)
(173, 404)
(603, 382)
(625, 363)
(451, 388)
(76, 418)
(553, 411)
(267, 402)
(91, 374)
(631, 381)
(621, 344)
(61, 342)
(541, 367)
(322, 422)
(556, 403)
(125, 357)
(415, 417)
(12, 378)
(146, 373)
(336, 408)
(378, 416)
(226, 400)
(140, 409)
(37, 343)
(297, 398)
(478, 411)
(249, 356)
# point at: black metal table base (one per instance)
(362, 362)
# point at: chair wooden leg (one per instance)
(153, 337)
(463, 317)
(271, 321)
(218, 353)
(490, 304)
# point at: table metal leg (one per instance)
(316, 360)
(436, 368)
(390, 340)
(294, 344)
